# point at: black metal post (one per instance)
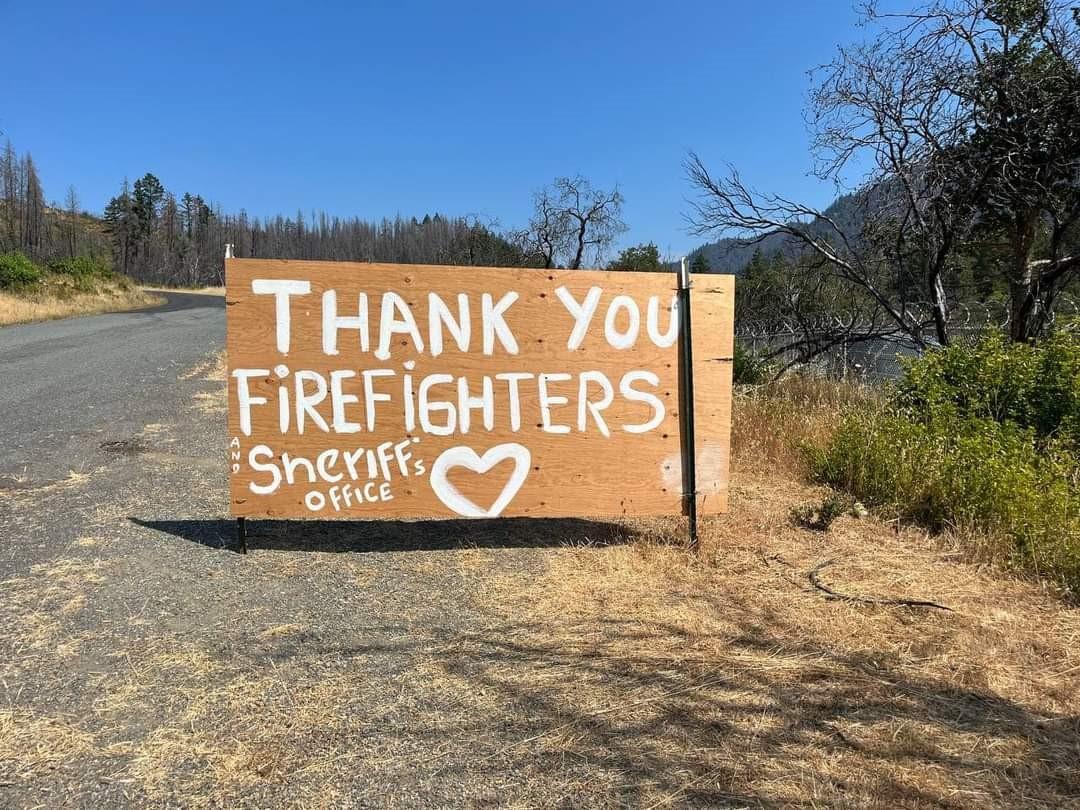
(241, 534)
(241, 526)
(686, 404)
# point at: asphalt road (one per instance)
(72, 386)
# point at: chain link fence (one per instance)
(785, 343)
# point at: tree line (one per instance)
(30, 226)
(154, 236)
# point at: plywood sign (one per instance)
(383, 390)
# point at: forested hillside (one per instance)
(30, 225)
(150, 234)
(733, 255)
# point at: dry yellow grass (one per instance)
(280, 630)
(39, 602)
(23, 496)
(215, 400)
(210, 402)
(107, 297)
(196, 290)
(634, 674)
(755, 686)
(31, 744)
(212, 369)
(770, 421)
(227, 728)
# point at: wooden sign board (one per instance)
(389, 391)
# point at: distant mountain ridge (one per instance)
(731, 255)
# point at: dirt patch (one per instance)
(215, 291)
(125, 447)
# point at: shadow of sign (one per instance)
(396, 535)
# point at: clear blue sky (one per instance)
(373, 109)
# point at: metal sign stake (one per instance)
(241, 534)
(686, 404)
(241, 527)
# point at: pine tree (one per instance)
(147, 197)
(642, 258)
(34, 209)
(757, 267)
(699, 264)
(121, 223)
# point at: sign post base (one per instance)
(686, 405)
(241, 535)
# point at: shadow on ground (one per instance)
(396, 535)
(699, 698)
(605, 713)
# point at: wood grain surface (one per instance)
(380, 458)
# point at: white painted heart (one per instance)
(467, 457)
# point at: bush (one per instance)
(748, 368)
(819, 517)
(17, 272)
(1035, 387)
(81, 267)
(980, 438)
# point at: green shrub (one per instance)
(1035, 387)
(869, 455)
(980, 438)
(17, 272)
(748, 368)
(820, 516)
(81, 267)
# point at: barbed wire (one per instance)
(844, 343)
(976, 316)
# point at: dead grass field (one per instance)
(58, 301)
(623, 672)
(771, 421)
(735, 670)
(195, 290)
